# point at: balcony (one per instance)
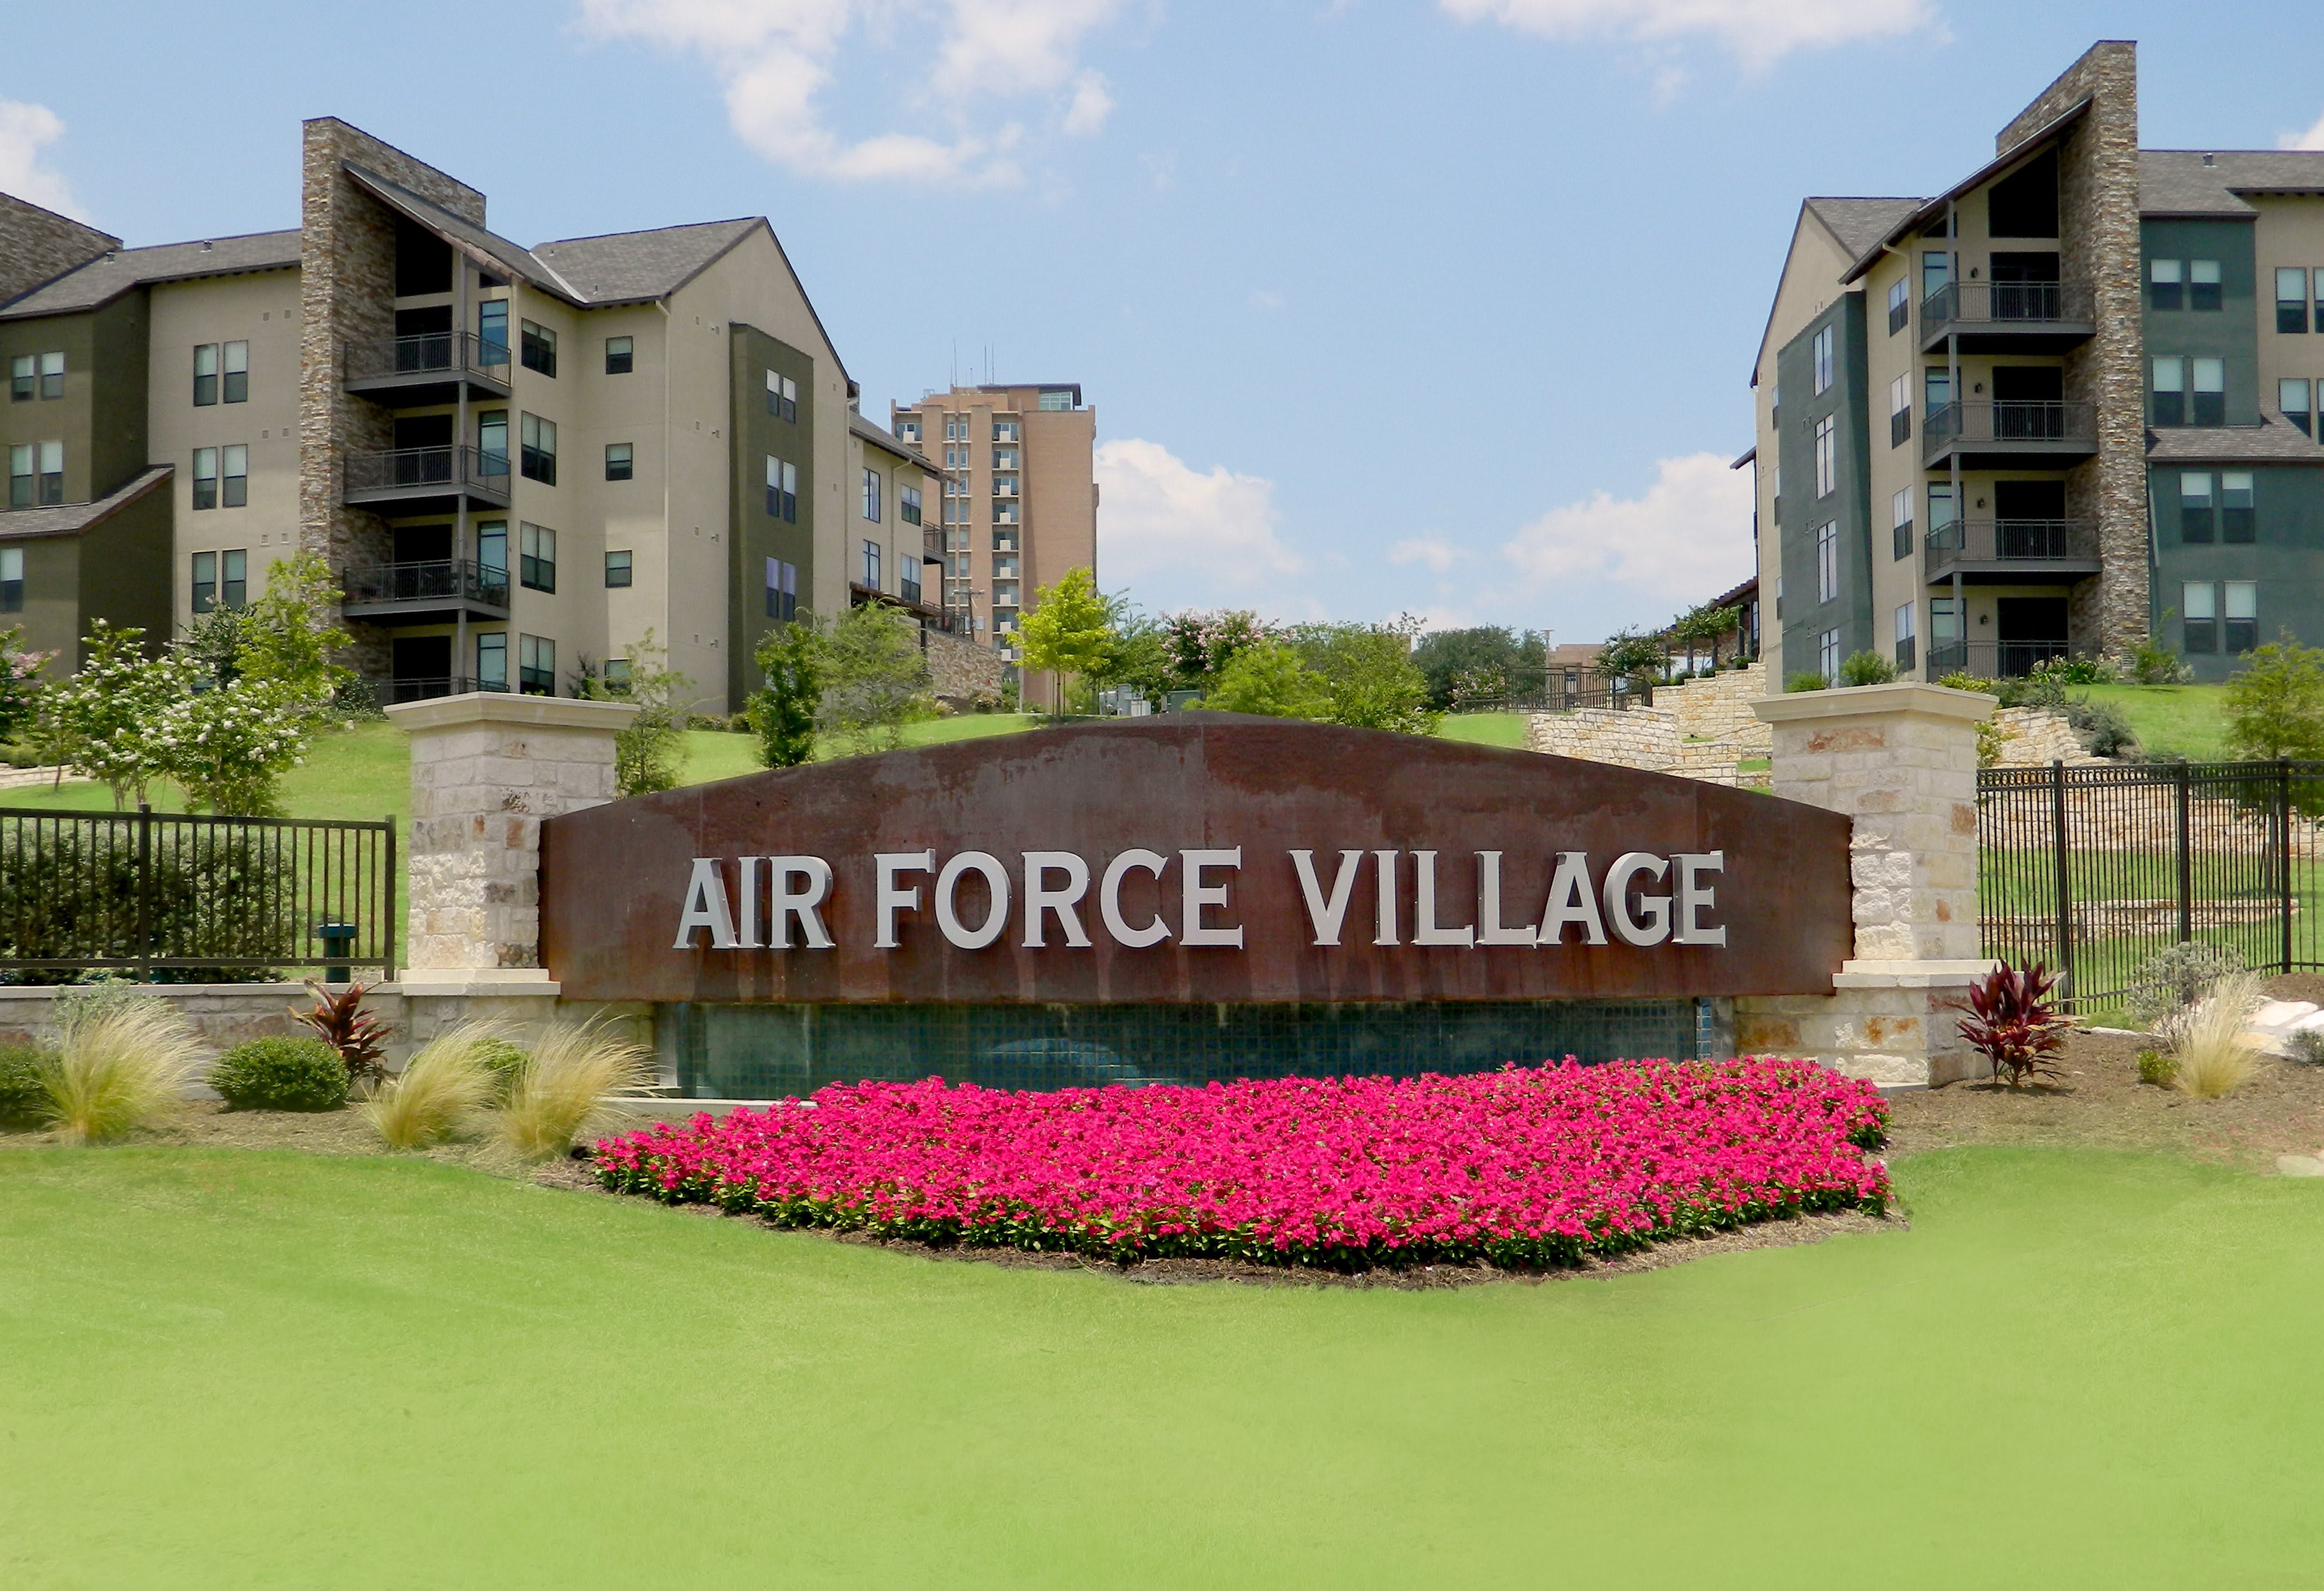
(391, 691)
(427, 480)
(407, 372)
(2010, 316)
(433, 593)
(1993, 660)
(2012, 552)
(2010, 434)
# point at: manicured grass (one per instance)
(361, 772)
(2171, 720)
(1504, 729)
(240, 1370)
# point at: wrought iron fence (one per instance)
(177, 898)
(2093, 868)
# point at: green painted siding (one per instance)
(2285, 559)
(2230, 332)
(101, 417)
(1802, 513)
(755, 536)
(124, 567)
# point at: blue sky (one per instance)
(1443, 306)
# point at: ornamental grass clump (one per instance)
(121, 1062)
(1526, 1166)
(559, 1091)
(2207, 1039)
(441, 1091)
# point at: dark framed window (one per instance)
(205, 375)
(2169, 392)
(2203, 285)
(12, 580)
(1900, 306)
(1900, 514)
(617, 673)
(871, 565)
(221, 580)
(23, 378)
(1827, 457)
(234, 476)
(871, 496)
(2198, 518)
(536, 557)
(1900, 411)
(205, 470)
(2291, 299)
(618, 459)
(2163, 283)
(2239, 616)
(2291, 396)
(782, 590)
(492, 443)
(617, 568)
(2237, 519)
(491, 560)
(235, 357)
(782, 396)
(52, 474)
(537, 450)
(2208, 402)
(21, 476)
(1936, 388)
(782, 490)
(1003, 430)
(907, 504)
(53, 375)
(1820, 354)
(492, 661)
(536, 665)
(492, 342)
(2198, 617)
(620, 356)
(537, 347)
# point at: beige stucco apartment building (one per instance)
(519, 461)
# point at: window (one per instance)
(617, 569)
(618, 459)
(2240, 610)
(956, 428)
(1827, 457)
(907, 431)
(871, 565)
(2198, 617)
(1004, 431)
(955, 458)
(1827, 545)
(492, 551)
(1004, 485)
(1004, 458)
(1004, 594)
(782, 590)
(537, 346)
(1936, 273)
(1900, 516)
(491, 339)
(2210, 395)
(1828, 656)
(1900, 411)
(617, 672)
(2291, 397)
(1056, 399)
(53, 375)
(536, 557)
(1900, 306)
(536, 665)
(2163, 283)
(2291, 299)
(871, 496)
(1936, 388)
(2237, 521)
(2203, 285)
(234, 468)
(907, 504)
(1942, 625)
(236, 359)
(492, 443)
(2195, 516)
(782, 490)
(492, 661)
(620, 356)
(1820, 362)
(2170, 391)
(1905, 658)
(205, 478)
(23, 378)
(1941, 508)
(52, 474)
(221, 580)
(12, 580)
(20, 475)
(205, 376)
(782, 396)
(539, 449)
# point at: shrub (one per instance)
(2206, 1039)
(2170, 980)
(2153, 663)
(2306, 1046)
(280, 1074)
(2013, 1024)
(1806, 681)
(1867, 668)
(2102, 726)
(122, 1061)
(74, 897)
(1990, 738)
(441, 1090)
(20, 1093)
(1269, 680)
(356, 1036)
(558, 1091)
(2074, 671)
(2157, 1068)
(1960, 680)
(503, 1058)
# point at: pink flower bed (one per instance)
(1526, 1166)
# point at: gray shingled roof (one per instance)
(2176, 181)
(879, 436)
(636, 265)
(108, 276)
(514, 258)
(1860, 224)
(2275, 440)
(70, 518)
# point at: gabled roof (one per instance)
(1860, 224)
(1929, 209)
(71, 519)
(633, 266)
(888, 441)
(2274, 440)
(109, 275)
(2200, 182)
(487, 247)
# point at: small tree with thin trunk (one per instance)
(783, 711)
(1069, 630)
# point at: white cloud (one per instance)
(1687, 537)
(774, 56)
(2312, 139)
(1436, 552)
(1758, 31)
(25, 130)
(1209, 538)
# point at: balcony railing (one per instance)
(436, 580)
(444, 354)
(2014, 540)
(419, 471)
(391, 691)
(2018, 425)
(1993, 660)
(2006, 306)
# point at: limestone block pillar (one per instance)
(1901, 762)
(486, 769)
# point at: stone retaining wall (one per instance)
(1718, 708)
(960, 672)
(2035, 738)
(1631, 737)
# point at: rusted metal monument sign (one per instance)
(1194, 859)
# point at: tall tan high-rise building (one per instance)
(1020, 498)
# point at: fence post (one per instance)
(389, 937)
(2061, 857)
(2283, 850)
(145, 892)
(2185, 780)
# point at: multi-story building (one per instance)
(2049, 412)
(1019, 497)
(518, 461)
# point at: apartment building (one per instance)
(1020, 498)
(518, 461)
(2066, 406)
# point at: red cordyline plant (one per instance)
(2013, 1022)
(358, 1036)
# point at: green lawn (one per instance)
(2171, 720)
(245, 1370)
(1504, 729)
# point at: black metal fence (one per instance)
(175, 899)
(2093, 868)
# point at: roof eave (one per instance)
(1919, 218)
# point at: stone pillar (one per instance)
(486, 769)
(1901, 762)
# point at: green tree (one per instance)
(20, 681)
(1138, 654)
(782, 711)
(1484, 662)
(1639, 658)
(1702, 624)
(649, 751)
(1269, 679)
(229, 746)
(1867, 668)
(1370, 679)
(292, 632)
(2275, 702)
(1069, 629)
(101, 719)
(1202, 644)
(875, 677)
